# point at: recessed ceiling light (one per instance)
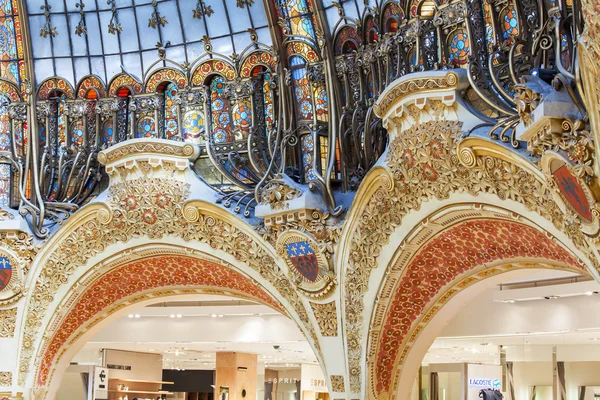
(595, 339)
(509, 301)
(172, 316)
(588, 293)
(137, 315)
(130, 316)
(220, 315)
(179, 315)
(214, 315)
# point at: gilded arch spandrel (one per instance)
(425, 162)
(155, 206)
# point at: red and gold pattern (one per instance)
(144, 276)
(440, 263)
(259, 57)
(303, 49)
(165, 75)
(124, 80)
(51, 84)
(9, 90)
(90, 82)
(212, 67)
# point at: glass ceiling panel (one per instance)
(352, 9)
(72, 54)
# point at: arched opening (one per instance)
(457, 257)
(163, 295)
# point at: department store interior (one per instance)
(299, 199)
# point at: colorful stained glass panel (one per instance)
(107, 132)
(171, 126)
(193, 127)
(5, 172)
(221, 121)
(510, 25)
(146, 127)
(77, 134)
(459, 48)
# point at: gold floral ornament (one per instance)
(8, 320)
(527, 100)
(308, 266)
(5, 380)
(326, 316)
(277, 193)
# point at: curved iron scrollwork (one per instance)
(303, 107)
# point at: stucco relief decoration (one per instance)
(277, 193)
(5, 379)
(426, 162)
(8, 320)
(326, 316)
(308, 266)
(148, 207)
(337, 383)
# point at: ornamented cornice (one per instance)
(277, 193)
(136, 147)
(412, 84)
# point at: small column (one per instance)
(236, 376)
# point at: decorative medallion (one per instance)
(308, 266)
(10, 280)
(572, 191)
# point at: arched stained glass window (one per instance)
(299, 16)
(371, 31)
(171, 126)
(304, 109)
(392, 17)
(12, 67)
(62, 124)
(219, 107)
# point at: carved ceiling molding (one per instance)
(441, 251)
(97, 298)
(5, 379)
(424, 163)
(154, 208)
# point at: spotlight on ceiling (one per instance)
(509, 301)
(552, 297)
(130, 316)
(137, 315)
(214, 315)
(179, 315)
(172, 316)
(589, 293)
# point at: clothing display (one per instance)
(490, 394)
